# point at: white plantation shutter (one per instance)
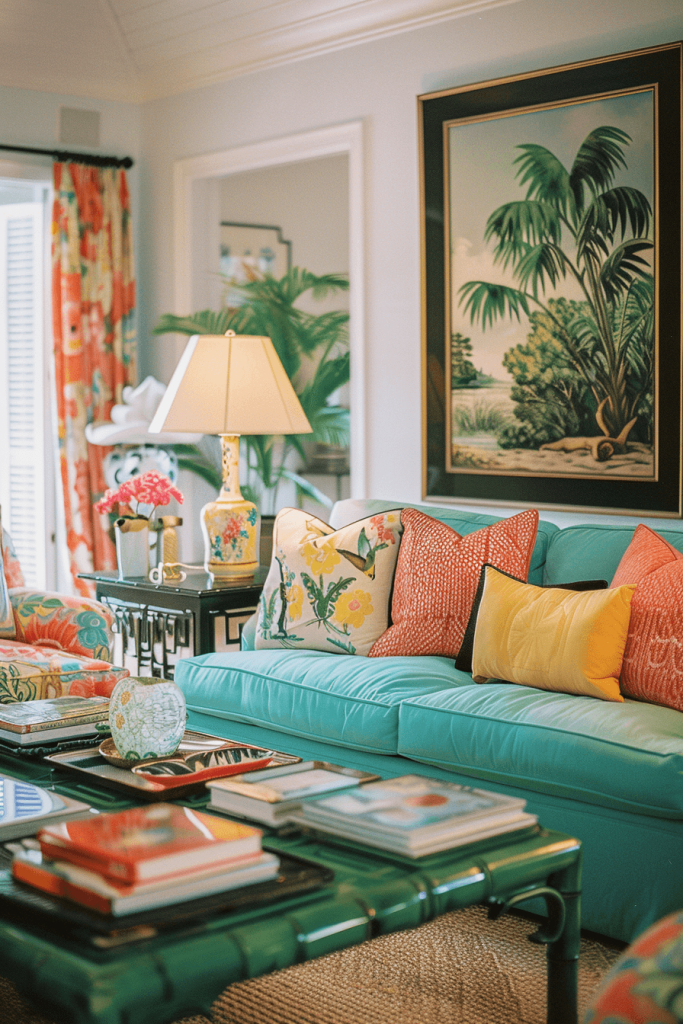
(22, 389)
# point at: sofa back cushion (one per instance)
(592, 551)
(460, 520)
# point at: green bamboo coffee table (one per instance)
(373, 893)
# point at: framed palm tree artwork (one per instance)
(551, 234)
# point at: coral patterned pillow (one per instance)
(328, 590)
(652, 669)
(437, 575)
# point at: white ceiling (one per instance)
(137, 50)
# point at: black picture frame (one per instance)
(654, 75)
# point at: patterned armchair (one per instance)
(57, 645)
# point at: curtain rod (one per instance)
(64, 156)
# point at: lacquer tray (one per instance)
(89, 764)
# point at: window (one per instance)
(26, 459)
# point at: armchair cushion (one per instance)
(36, 672)
(76, 624)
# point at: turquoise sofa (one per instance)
(609, 773)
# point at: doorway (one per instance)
(202, 188)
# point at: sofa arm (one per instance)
(248, 638)
(78, 625)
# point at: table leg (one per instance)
(563, 953)
(561, 933)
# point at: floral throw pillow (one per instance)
(328, 590)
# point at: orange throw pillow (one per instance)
(652, 668)
(437, 574)
(646, 553)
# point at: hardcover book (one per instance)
(271, 794)
(52, 713)
(416, 815)
(148, 842)
(32, 722)
(60, 878)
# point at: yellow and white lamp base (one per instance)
(230, 524)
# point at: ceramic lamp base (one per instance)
(231, 538)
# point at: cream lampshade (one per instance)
(230, 385)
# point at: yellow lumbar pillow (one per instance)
(551, 639)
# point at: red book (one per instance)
(149, 842)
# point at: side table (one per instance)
(158, 624)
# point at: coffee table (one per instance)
(373, 892)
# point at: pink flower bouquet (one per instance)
(151, 489)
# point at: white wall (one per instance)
(377, 82)
(308, 200)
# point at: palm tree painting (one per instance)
(552, 292)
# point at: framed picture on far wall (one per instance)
(551, 249)
(249, 251)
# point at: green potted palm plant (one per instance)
(315, 354)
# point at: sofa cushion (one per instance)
(587, 551)
(627, 755)
(328, 590)
(653, 659)
(458, 519)
(353, 702)
(437, 575)
(550, 638)
(36, 672)
(646, 553)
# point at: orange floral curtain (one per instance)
(93, 298)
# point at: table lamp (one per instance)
(229, 385)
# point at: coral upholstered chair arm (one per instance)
(78, 625)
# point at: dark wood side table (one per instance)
(158, 624)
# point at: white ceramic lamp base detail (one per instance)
(147, 717)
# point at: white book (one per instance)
(271, 794)
(67, 732)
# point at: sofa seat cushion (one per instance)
(628, 756)
(36, 672)
(353, 702)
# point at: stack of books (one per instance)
(414, 815)
(145, 857)
(48, 721)
(271, 795)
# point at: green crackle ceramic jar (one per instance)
(147, 717)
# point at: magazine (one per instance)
(416, 815)
(270, 795)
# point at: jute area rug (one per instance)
(460, 969)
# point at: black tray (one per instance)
(39, 911)
(88, 762)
